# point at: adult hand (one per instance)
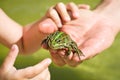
(37, 72)
(91, 31)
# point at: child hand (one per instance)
(37, 72)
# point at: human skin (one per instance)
(13, 33)
(32, 34)
(90, 44)
(9, 72)
(93, 31)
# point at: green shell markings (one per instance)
(60, 40)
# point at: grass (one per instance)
(102, 67)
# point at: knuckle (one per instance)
(52, 12)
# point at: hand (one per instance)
(92, 32)
(37, 72)
(66, 12)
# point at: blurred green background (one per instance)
(105, 66)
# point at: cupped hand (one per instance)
(92, 32)
(37, 72)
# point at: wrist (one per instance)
(111, 10)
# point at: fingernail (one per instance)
(13, 47)
(76, 15)
(59, 26)
(48, 61)
(67, 19)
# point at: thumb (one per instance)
(47, 26)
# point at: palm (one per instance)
(92, 36)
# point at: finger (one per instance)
(68, 59)
(44, 45)
(11, 57)
(83, 6)
(61, 8)
(31, 72)
(47, 26)
(74, 61)
(74, 10)
(57, 58)
(52, 13)
(48, 75)
(45, 75)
